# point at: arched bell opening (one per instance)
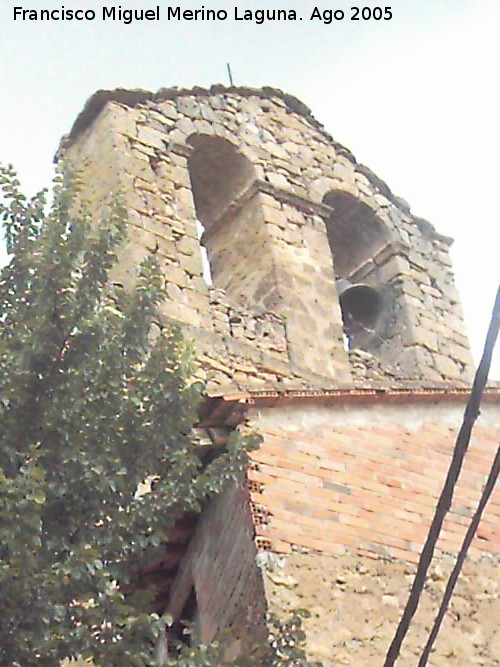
(220, 176)
(356, 235)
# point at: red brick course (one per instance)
(220, 565)
(370, 488)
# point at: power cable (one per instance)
(462, 554)
(446, 497)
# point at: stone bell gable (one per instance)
(324, 316)
(289, 223)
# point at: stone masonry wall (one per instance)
(356, 603)
(148, 146)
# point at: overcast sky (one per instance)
(416, 98)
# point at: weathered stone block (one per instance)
(394, 267)
(151, 137)
(417, 335)
(448, 368)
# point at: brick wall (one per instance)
(344, 494)
(366, 479)
(341, 496)
(221, 566)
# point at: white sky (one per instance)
(415, 98)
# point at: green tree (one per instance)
(284, 648)
(90, 407)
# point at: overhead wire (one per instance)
(462, 554)
(446, 497)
